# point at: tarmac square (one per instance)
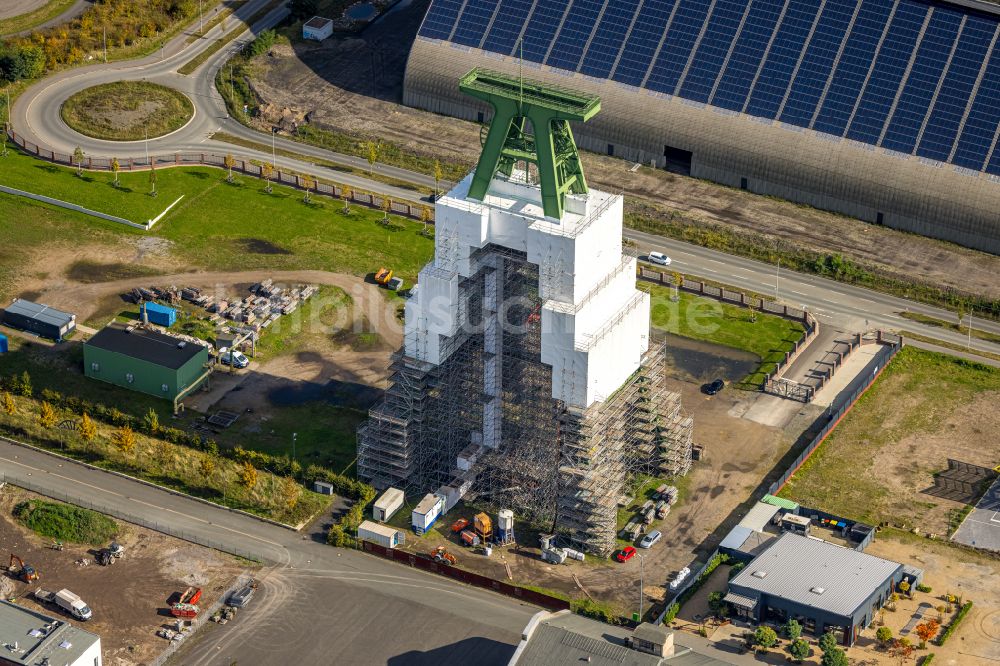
(982, 527)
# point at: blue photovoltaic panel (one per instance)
(981, 125)
(507, 26)
(607, 42)
(712, 51)
(642, 42)
(853, 68)
(949, 107)
(440, 19)
(765, 98)
(887, 73)
(815, 69)
(568, 47)
(473, 21)
(677, 46)
(734, 84)
(542, 28)
(932, 56)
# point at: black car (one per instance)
(713, 388)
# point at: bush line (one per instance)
(959, 616)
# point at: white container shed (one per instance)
(388, 504)
(380, 534)
(317, 28)
(424, 514)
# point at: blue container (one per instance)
(3, 344)
(160, 315)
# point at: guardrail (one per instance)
(242, 165)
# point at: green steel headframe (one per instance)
(550, 147)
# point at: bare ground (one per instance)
(129, 599)
(354, 85)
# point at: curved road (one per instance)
(71, 13)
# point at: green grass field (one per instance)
(700, 318)
(216, 226)
(101, 111)
(65, 522)
(22, 22)
(886, 450)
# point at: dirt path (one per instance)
(369, 300)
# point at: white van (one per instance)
(659, 258)
(650, 539)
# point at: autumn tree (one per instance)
(25, 388)
(901, 649)
(124, 439)
(151, 421)
(308, 183)
(161, 453)
(206, 467)
(8, 404)
(248, 475)
(345, 195)
(267, 172)
(438, 174)
(290, 492)
(78, 156)
(386, 207)
(87, 428)
(229, 161)
(152, 179)
(927, 630)
(46, 415)
(425, 217)
(372, 150)
(904, 587)
(883, 636)
(115, 168)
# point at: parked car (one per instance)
(650, 539)
(236, 358)
(713, 387)
(625, 554)
(659, 258)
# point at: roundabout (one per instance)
(127, 111)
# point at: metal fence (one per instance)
(117, 511)
(837, 413)
(241, 165)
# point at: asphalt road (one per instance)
(71, 13)
(316, 601)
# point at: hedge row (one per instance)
(959, 616)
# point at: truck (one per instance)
(69, 602)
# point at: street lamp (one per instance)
(295, 436)
(640, 587)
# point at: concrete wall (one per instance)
(910, 193)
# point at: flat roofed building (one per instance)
(29, 638)
(824, 586)
(145, 360)
(39, 318)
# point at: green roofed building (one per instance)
(145, 360)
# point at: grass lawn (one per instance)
(767, 336)
(924, 409)
(66, 523)
(200, 59)
(952, 326)
(217, 226)
(22, 22)
(127, 110)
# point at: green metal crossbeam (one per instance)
(550, 145)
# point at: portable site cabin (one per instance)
(158, 314)
(39, 318)
(424, 514)
(388, 504)
(317, 28)
(3, 344)
(383, 535)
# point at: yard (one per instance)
(884, 461)
(766, 336)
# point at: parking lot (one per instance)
(982, 527)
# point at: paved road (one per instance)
(432, 619)
(24, 6)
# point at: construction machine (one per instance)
(383, 275)
(23, 572)
(441, 554)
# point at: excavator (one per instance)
(23, 572)
(441, 554)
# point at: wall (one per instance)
(911, 194)
(191, 370)
(148, 377)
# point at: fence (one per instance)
(242, 165)
(881, 359)
(428, 564)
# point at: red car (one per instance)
(625, 554)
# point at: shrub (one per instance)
(792, 629)
(765, 637)
(66, 523)
(924, 588)
(883, 635)
(959, 616)
(595, 610)
(799, 649)
(736, 569)
(827, 642)
(46, 415)
(263, 43)
(671, 613)
(834, 657)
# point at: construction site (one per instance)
(524, 381)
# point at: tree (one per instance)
(206, 467)
(386, 207)
(115, 168)
(437, 178)
(248, 475)
(151, 421)
(308, 182)
(290, 492)
(372, 150)
(87, 428)
(799, 649)
(883, 635)
(161, 453)
(792, 629)
(719, 608)
(345, 195)
(425, 217)
(765, 637)
(46, 415)
(21, 61)
(893, 599)
(230, 162)
(834, 657)
(904, 587)
(927, 630)
(78, 156)
(25, 387)
(124, 439)
(267, 172)
(901, 649)
(827, 642)
(152, 179)
(677, 279)
(8, 404)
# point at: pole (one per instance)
(777, 273)
(969, 345)
(640, 587)
(105, 44)
(294, 436)
(273, 161)
(201, 19)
